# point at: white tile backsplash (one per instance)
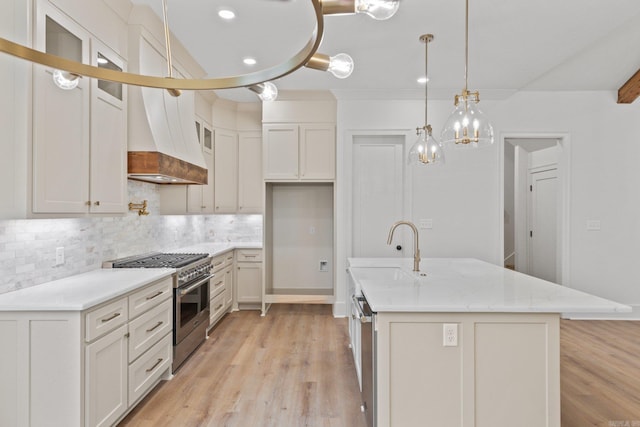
(28, 247)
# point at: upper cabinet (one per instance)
(225, 169)
(298, 152)
(200, 197)
(250, 199)
(79, 133)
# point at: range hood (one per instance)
(163, 143)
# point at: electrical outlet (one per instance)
(60, 255)
(425, 224)
(450, 335)
(324, 265)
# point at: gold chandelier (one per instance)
(340, 65)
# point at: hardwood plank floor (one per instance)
(291, 368)
(600, 373)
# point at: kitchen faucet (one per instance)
(416, 249)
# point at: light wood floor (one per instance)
(600, 373)
(291, 368)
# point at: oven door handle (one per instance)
(196, 285)
(363, 317)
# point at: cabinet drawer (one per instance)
(144, 372)
(249, 255)
(218, 284)
(221, 261)
(217, 309)
(147, 329)
(150, 297)
(106, 318)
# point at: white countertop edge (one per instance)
(81, 291)
(217, 248)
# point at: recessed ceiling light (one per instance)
(422, 80)
(226, 14)
(102, 60)
(249, 61)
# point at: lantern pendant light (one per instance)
(426, 150)
(467, 125)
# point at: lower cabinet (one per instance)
(123, 364)
(249, 278)
(221, 286)
(106, 378)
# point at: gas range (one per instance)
(188, 266)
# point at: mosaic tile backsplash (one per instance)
(28, 247)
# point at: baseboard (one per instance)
(633, 315)
(339, 309)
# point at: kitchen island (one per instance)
(463, 342)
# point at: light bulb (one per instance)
(377, 9)
(341, 65)
(65, 80)
(266, 91)
(426, 150)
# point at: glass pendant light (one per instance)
(426, 150)
(467, 125)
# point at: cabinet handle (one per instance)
(154, 365)
(97, 203)
(203, 207)
(218, 284)
(108, 319)
(157, 294)
(218, 263)
(155, 327)
(218, 307)
(88, 203)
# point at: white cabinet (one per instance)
(220, 287)
(128, 348)
(299, 152)
(249, 278)
(79, 135)
(250, 172)
(225, 171)
(106, 378)
(200, 197)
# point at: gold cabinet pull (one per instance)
(154, 295)
(110, 318)
(218, 307)
(154, 365)
(218, 284)
(97, 203)
(155, 327)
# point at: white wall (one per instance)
(462, 197)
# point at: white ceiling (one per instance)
(514, 45)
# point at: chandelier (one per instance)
(341, 65)
(467, 125)
(426, 150)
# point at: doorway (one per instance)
(535, 216)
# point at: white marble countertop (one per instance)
(465, 285)
(82, 291)
(218, 248)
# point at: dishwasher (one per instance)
(368, 358)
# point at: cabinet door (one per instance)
(229, 286)
(317, 152)
(280, 151)
(200, 197)
(60, 122)
(106, 378)
(225, 171)
(250, 172)
(108, 154)
(249, 282)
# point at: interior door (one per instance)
(543, 224)
(378, 195)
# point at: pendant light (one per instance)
(467, 125)
(426, 150)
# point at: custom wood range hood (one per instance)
(163, 144)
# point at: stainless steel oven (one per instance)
(190, 317)
(368, 361)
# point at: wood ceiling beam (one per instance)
(630, 90)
